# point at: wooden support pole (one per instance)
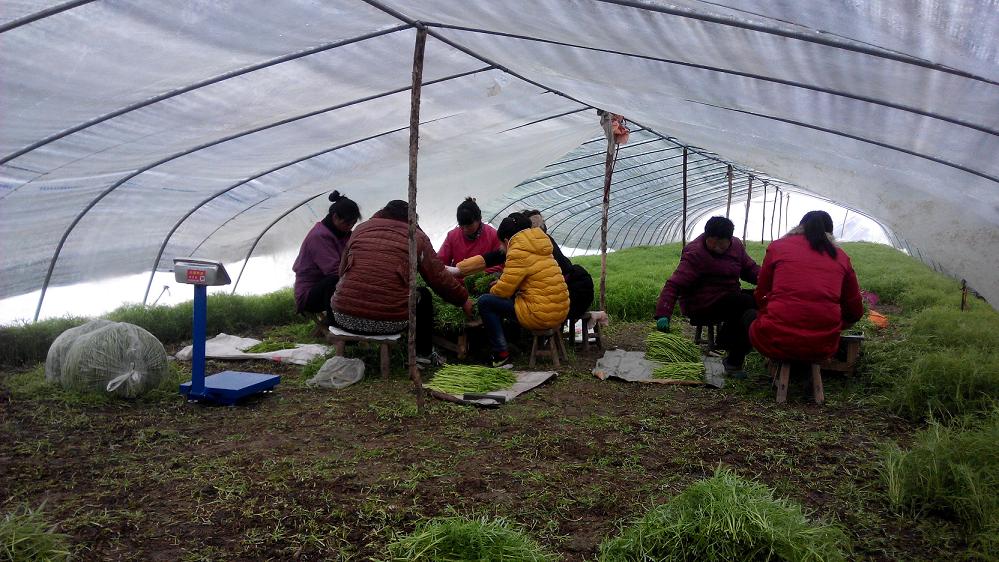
(683, 234)
(964, 294)
(749, 197)
(608, 174)
(787, 208)
(728, 203)
(414, 148)
(780, 213)
(763, 215)
(842, 228)
(773, 212)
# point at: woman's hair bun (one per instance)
(335, 196)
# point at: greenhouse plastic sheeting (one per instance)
(134, 132)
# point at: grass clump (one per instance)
(24, 536)
(458, 539)
(726, 518)
(269, 345)
(952, 471)
(31, 385)
(949, 383)
(952, 327)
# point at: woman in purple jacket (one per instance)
(317, 268)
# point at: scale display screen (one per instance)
(196, 271)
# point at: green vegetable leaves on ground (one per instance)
(461, 379)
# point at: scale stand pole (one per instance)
(198, 344)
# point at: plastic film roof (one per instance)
(134, 132)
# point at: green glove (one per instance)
(662, 324)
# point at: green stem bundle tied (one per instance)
(461, 379)
(670, 348)
(686, 371)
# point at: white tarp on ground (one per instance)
(225, 346)
(134, 132)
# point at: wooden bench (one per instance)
(587, 335)
(553, 349)
(340, 338)
(458, 346)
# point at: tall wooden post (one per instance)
(683, 234)
(773, 212)
(763, 215)
(749, 197)
(728, 203)
(787, 209)
(608, 174)
(414, 148)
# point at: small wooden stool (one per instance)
(555, 347)
(459, 347)
(850, 348)
(699, 330)
(588, 336)
(340, 337)
(782, 372)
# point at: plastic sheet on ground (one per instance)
(526, 380)
(225, 346)
(337, 373)
(632, 366)
(386, 337)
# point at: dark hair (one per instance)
(396, 209)
(818, 225)
(512, 224)
(468, 212)
(344, 208)
(719, 227)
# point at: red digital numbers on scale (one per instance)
(195, 275)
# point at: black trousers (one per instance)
(318, 299)
(733, 336)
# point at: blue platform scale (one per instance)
(227, 387)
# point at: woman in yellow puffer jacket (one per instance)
(531, 289)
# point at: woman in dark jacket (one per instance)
(806, 295)
(317, 268)
(373, 294)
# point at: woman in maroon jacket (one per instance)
(806, 295)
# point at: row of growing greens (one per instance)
(721, 518)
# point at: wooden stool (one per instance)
(340, 337)
(587, 335)
(782, 372)
(459, 347)
(850, 348)
(698, 330)
(321, 327)
(555, 347)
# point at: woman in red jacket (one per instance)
(806, 295)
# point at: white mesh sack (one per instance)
(120, 359)
(60, 347)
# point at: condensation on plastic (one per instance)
(119, 358)
(243, 152)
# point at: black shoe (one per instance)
(734, 371)
(501, 360)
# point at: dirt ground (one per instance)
(331, 475)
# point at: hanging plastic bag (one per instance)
(338, 372)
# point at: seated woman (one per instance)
(471, 237)
(373, 294)
(530, 290)
(806, 295)
(576, 277)
(317, 268)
